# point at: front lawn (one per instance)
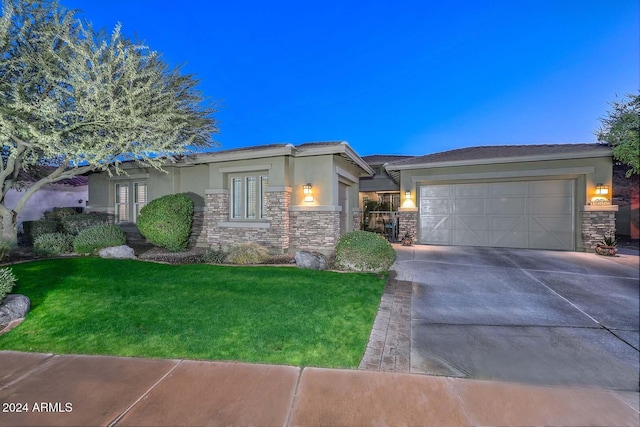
(275, 315)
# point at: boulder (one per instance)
(13, 307)
(122, 252)
(312, 260)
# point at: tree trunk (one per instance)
(9, 225)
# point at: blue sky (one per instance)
(404, 77)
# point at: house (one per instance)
(523, 196)
(282, 196)
(288, 197)
(72, 192)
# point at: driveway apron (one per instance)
(542, 317)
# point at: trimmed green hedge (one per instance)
(33, 229)
(51, 244)
(97, 237)
(166, 221)
(364, 251)
(74, 224)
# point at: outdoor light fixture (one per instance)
(306, 189)
(407, 195)
(602, 189)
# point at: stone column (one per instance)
(597, 221)
(408, 219)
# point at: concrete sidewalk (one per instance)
(119, 391)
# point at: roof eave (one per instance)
(487, 161)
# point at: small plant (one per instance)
(248, 253)
(33, 229)
(97, 237)
(364, 251)
(52, 244)
(6, 246)
(74, 224)
(407, 239)
(166, 221)
(214, 256)
(58, 214)
(609, 239)
(7, 280)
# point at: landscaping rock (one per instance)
(13, 307)
(314, 261)
(121, 252)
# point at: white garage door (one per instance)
(527, 214)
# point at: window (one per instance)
(248, 197)
(140, 198)
(122, 203)
(125, 200)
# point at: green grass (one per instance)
(253, 314)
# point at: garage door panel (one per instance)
(438, 207)
(506, 189)
(507, 206)
(559, 240)
(552, 187)
(549, 224)
(524, 214)
(469, 206)
(471, 190)
(436, 229)
(509, 239)
(435, 191)
(561, 205)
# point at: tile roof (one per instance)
(35, 175)
(504, 152)
(380, 159)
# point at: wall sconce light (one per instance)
(306, 189)
(601, 189)
(407, 195)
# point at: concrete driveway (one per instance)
(532, 316)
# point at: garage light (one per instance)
(602, 189)
(306, 189)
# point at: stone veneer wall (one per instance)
(314, 230)
(271, 232)
(198, 235)
(408, 222)
(596, 222)
(357, 219)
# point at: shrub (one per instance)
(6, 246)
(74, 224)
(364, 251)
(214, 256)
(51, 244)
(248, 253)
(7, 280)
(58, 214)
(166, 221)
(33, 229)
(97, 237)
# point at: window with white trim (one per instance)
(122, 202)
(130, 198)
(140, 198)
(248, 197)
